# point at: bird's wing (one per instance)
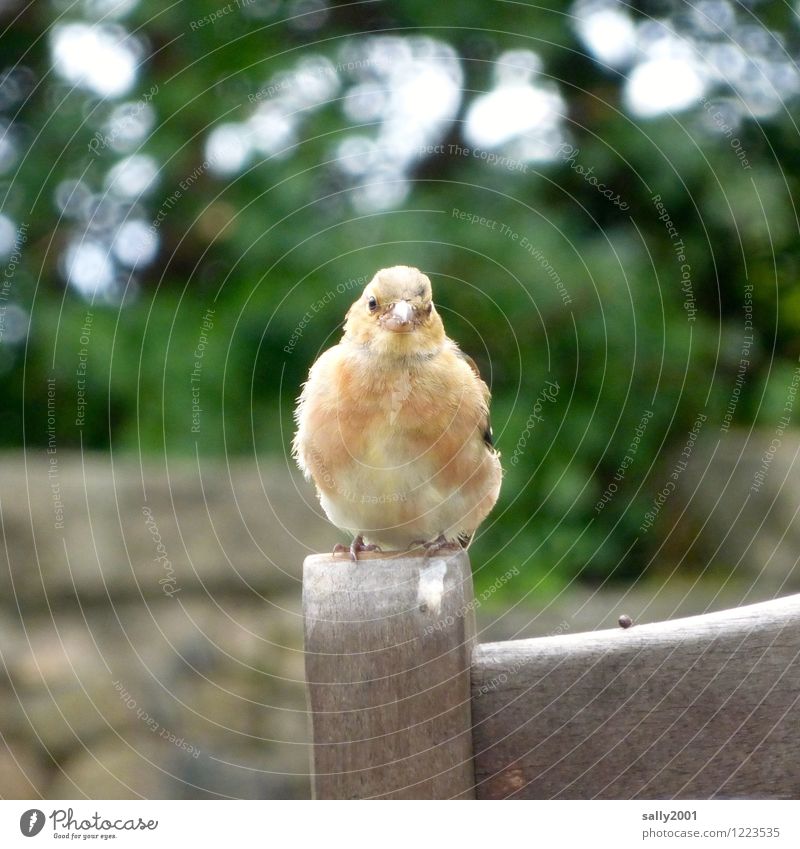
(488, 436)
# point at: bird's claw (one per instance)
(355, 546)
(358, 544)
(441, 543)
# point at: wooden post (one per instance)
(388, 643)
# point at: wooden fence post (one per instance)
(388, 644)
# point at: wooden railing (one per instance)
(404, 704)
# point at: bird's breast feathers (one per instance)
(397, 451)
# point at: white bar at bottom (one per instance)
(385, 824)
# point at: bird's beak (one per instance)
(400, 317)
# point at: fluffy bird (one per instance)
(393, 425)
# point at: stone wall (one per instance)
(150, 629)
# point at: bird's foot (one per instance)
(441, 543)
(355, 546)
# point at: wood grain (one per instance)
(388, 646)
(704, 707)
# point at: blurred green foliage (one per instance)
(261, 247)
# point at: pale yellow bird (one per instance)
(393, 425)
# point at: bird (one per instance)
(393, 425)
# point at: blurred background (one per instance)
(192, 195)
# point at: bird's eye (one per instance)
(372, 303)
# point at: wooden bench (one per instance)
(405, 704)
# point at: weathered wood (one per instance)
(702, 707)
(388, 646)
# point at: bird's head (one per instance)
(395, 313)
